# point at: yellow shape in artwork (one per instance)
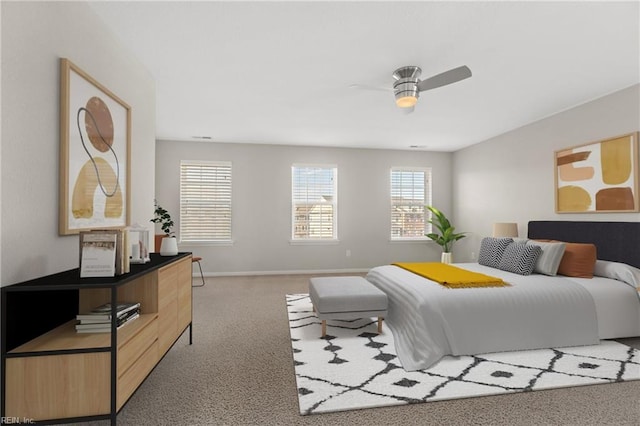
(573, 199)
(85, 188)
(615, 158)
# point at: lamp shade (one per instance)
(505, 230)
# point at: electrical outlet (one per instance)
(473, 255)
(348, 253)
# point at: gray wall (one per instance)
(510, 178)
(34, 36)
(262, 206)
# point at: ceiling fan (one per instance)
(408, 85)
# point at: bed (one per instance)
(429, 321)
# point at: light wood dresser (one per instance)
(52, 374)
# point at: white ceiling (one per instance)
(280, 72)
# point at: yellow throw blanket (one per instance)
(451, 276)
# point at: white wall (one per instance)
(34, 36)
(262, 205)
(507, 178)
(510, 178)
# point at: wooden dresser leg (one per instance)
(380, 325)
(324, 328)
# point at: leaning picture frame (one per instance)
(95, 150)
(598, 177)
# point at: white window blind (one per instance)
(410, 194)
(314, 202)
(205, 201)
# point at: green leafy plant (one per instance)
(446, 235)
(163, 217)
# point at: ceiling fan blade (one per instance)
(445, 78)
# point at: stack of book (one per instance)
(98, 320)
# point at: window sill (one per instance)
(313, 242)
(411, 240)
(205, 243)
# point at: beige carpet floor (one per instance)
(239, 371)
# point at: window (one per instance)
(205, 201)
(410, 194)
(314, 202)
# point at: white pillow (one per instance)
(549, 261)
(618, 271)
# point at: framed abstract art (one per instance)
(598, 177)
(95, 146)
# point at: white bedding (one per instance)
(429, 321)
(617, 306)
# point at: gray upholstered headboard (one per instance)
(615, 241)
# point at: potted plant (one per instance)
(169, 245)
(446, 235)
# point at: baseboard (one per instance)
(288, 272)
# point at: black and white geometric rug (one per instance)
(353, 367)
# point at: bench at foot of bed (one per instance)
(346, 298)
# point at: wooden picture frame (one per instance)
(95, 151)
(598, 177)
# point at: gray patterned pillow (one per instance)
(520, 258)
(491, 250)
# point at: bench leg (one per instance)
(324, 328)
(380, 325)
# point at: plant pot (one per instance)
(446, 258)
(169, 246)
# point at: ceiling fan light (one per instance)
(406, 101)
(406, 92)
